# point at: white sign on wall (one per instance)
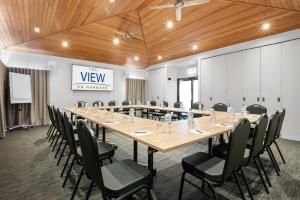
(92, 78)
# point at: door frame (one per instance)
(192, 87)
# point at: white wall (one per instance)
(60, 77)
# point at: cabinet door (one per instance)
(251, 76)
(290, 89)
(219, 79)
(234, 80)
(206, 82)
(271, 77)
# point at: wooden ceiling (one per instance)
(89, 27)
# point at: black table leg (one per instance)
(150, 165)
(97, 131)
(147, 113)
(103, 134)
(135, 151)
(210, 146)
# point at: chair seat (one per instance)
(105, 150)
(124, 176)
(204, 165)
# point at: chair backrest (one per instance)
(196, 105)
(61, 123)
(221, 107)
(70, 134)
(256, 109)
(54, 111)
(259, 136)
(125, 103)
(178, 104)
(112, 103)
(272, 127)
(165, 104)
(90, 154)
(50, 114)
(281, 119)
(152, 103)
(81, 104)
(98, 103)
(236, 147)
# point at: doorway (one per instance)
(187, 91)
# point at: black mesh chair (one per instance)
(197, 106)
(116, 181)
(278, 131)
(81, 104)
(256, 109)
(256, 149)
(213, 170)
(112, 103)
(178, 115)
(98, 104)
(105, 152)
(125, 110)
(221, 107)
(270, 138)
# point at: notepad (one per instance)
(111, 122)
(224, 125)
(199, 132)
(141, 133)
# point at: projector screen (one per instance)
(92, 78)
(20, 88)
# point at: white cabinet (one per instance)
(219, 79)
(234, 80)
(251, 76)
(206, 71)
(291, 89)
(271, 77)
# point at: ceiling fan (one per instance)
(131, 33)
(181, 4)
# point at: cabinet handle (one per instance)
(257, 99)
(278, 99)
(211, 98)
(244, 99)
(263, 99)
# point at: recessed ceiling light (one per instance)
(116, 41)
(136, 58)
(112, 1)
(169, 24)
(65, 44)
(195, 47)
(266, 26)
(36, 29)
(159, 57)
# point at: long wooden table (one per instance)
(158, 139)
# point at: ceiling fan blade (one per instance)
(195, 2)
(163, 6)
(178, 13)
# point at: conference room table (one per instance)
(154, 134)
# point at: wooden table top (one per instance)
(158, 139)
(170, 109)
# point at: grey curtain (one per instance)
(2, 100)
(35, 113)
(135, 90)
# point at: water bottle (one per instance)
(148, 103)
(190, 118)
(244, 110)
(131, 115)
(228, 112)
(213, 116)
(168, 122)
(139, 102)
(161, 104)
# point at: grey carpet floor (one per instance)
(28, 170)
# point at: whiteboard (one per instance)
(20, 88)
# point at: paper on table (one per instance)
(111, 122)
(141, 133)
(224, 125)
(199, 132)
